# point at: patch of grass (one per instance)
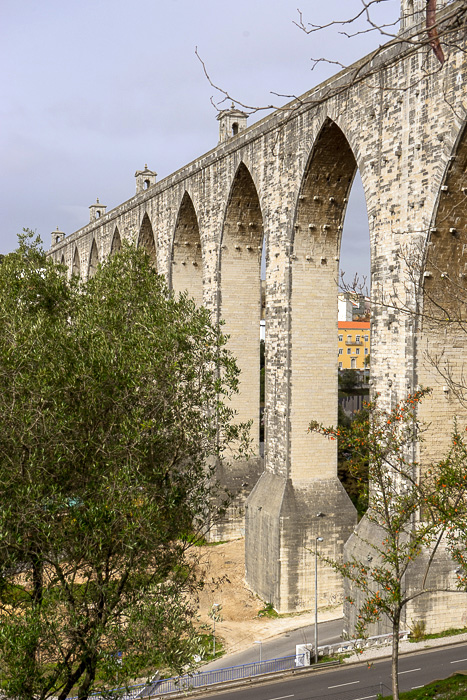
(438, 635)
(268, 611)
(326, 658)
(198, 540)
(214, 544)
(453, 688)
(206, 647)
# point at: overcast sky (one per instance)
(94, 89)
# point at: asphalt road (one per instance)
(358, 682)
(283, 645)
(329, 633)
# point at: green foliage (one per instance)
(382, 443)
(205, 651)
(417, 631)
(453, 688)
(348, 380)
(114, 409)
(440, 635)
(448, 497)
(353, 475)
(268, 611)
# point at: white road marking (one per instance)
(412, 670)
(282, 697)
(367, 697)
(341, 685)
(415, 687)
(459, 661)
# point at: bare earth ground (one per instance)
(240, 626)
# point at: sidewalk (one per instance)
(405, 647)
(265, 629)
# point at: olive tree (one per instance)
(114, 410)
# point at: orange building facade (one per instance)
(353, 344)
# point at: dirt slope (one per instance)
(239, 627)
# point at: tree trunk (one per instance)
(72, 679)
(85, 685)
(395, 656)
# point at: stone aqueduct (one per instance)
(399, 119)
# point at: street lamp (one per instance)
(318, 539)
(260, 650)
(214, 605)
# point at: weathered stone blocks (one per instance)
(284, 182)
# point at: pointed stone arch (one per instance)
(116, 242)
(316, 242)
(187, 259)
(437, 277)
(240, 287)
(147, 241)
(76, 267)
(442, 335)
(307, 484)
(93, 259)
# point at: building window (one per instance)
(340, 365)
(349, 350)
(357, 351)
(353, 363)
(366, 339)
(349, 338)
(366, 351)
(340, 338)
(340, 351)
(357, 338)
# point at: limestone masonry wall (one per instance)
(285, 181)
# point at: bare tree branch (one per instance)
(433, 30)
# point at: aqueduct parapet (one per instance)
(285, 181)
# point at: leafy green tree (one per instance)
(348, 380)
(405, 514)
(114, 408)
(449, 499)
(354, 479)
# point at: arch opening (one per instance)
(440, 282)
(445, 272)
(116, 243)
(241, 296)
(146, 240)
(93, 260)
(316, 345)
(442, 331)
(187, 260)
(76, 267)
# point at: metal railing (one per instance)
(201, 679)
(221, 675)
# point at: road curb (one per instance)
(252, 680)
(307, 670)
